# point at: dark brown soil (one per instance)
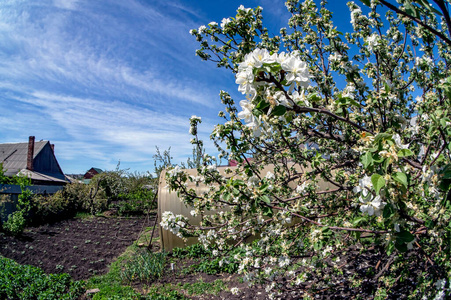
(81, 247)
(86, 247)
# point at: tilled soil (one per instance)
(86, 247)
(80, 247)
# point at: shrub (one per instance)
(52, 208)
(15, 224)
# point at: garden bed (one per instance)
(81, 247)
(84, 247)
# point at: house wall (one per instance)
(46, 163)
(91, 173)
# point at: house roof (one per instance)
(14, 156)
(40, 176)
(98, 170)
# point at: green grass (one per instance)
(200, 287)
(111, 284)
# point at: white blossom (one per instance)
(241, 8)
(355, 13)
(284, 261)
(374, 206)
(224, 22)
(245, 79)
(269, 175)
(301, 188)
(297, 71)
(335, 57)
(364, 185)
(372, 41)
(253, 180)
(175, 171)
(397, 140)
(246, 112)
(202, 29)
(349, 91)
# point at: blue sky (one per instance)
(108, 80)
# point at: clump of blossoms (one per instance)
(349, 136)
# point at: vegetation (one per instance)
(16, 222)
(362, 167)
(28, 282)
(144, 266)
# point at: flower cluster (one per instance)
(173, 223)
(262, 75)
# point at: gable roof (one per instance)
(14, 156)
(98, 170)
(46, 169)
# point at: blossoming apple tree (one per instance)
(367, 113)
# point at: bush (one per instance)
(53, 208)
(15, 224)
(128, 193)
(134, 195)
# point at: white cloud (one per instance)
(66, 4)
(104, 80)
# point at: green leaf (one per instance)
(366, 2)
(357, 221)
(388, 211)
(429, 224)
(314, 97)
(446, 172)
(279, 110)
(366, 159)
(262, 105)
(410, 9)
(264, 187)
(354, 103)
(267, 211)
(239, 182)
(401, 178)
(390, 248)
(382, 136)
(404, 236)
(226, 196)
(404, 152)
(318, 245)
(401, 247)
(428, 6)
(378, 182)
(266, 199)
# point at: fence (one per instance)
(9, 195)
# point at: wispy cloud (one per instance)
(66, 4)
(106, 133)
(106, 80)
